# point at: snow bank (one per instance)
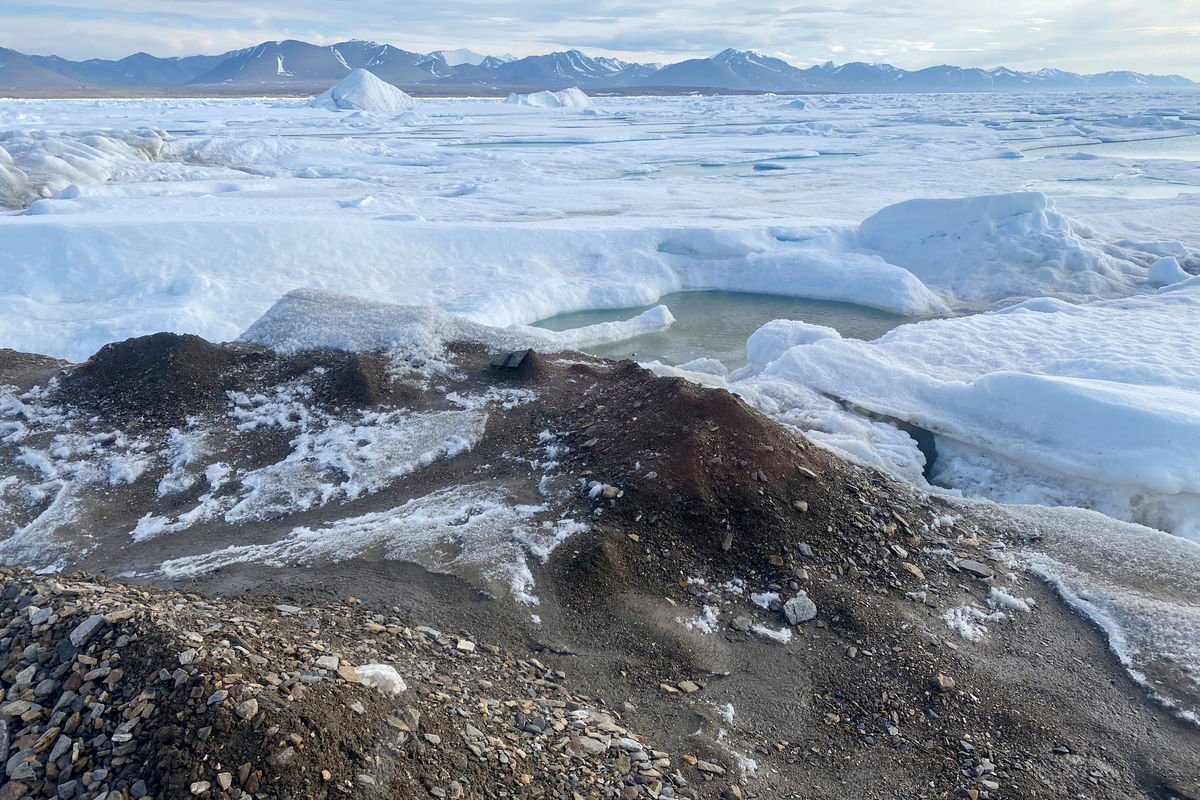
(567, 98)
(1046, 402)
(362, 91)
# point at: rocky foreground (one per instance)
(705, 604)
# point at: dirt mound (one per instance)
(117, 691)
(163, 377)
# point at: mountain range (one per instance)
(294, 66)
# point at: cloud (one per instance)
(1083, 35)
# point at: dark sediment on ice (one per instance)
(651, 671)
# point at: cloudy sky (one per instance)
(1080, 35)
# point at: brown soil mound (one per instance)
(163, 377)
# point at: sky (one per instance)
(1161, 36)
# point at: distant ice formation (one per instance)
(567, 98)
(362, 91)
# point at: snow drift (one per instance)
(362, 91)
(567, 98)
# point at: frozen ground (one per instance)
(1051, 235)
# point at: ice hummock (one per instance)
(980, 250)
(567, 98)
(1038, 403)
(361, 90)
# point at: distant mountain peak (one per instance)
(291, 64)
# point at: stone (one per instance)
(465, 646)
(976, 568)
(799, 609)
(944, 683)
(328, 662)
(225, 781)
(800, 505)
(688, 687)
(199, 787)
(187, 656)
(913, 569)
(85, 630)
(742, 624)
(247, 709)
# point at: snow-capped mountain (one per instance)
(457, 58)
(300, 66)
(570, 68)
(730, 69)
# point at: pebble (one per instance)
(247, 709)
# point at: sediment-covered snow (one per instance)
(361, 90)
(1139, 585)
(475, 531)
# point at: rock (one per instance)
(287, 609)
(86, 630)
(688, 687)
(217, 697)
(200, 787)
(799, 609)
(742, 624)
(800, 505)
(592, 746)
(944, 683)
(247, 709)
(465, 646)
(187, 656)
(803, 549)
(225, 780)
(913, 569)
(976, 568)
(328, 662)
(709, 767)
